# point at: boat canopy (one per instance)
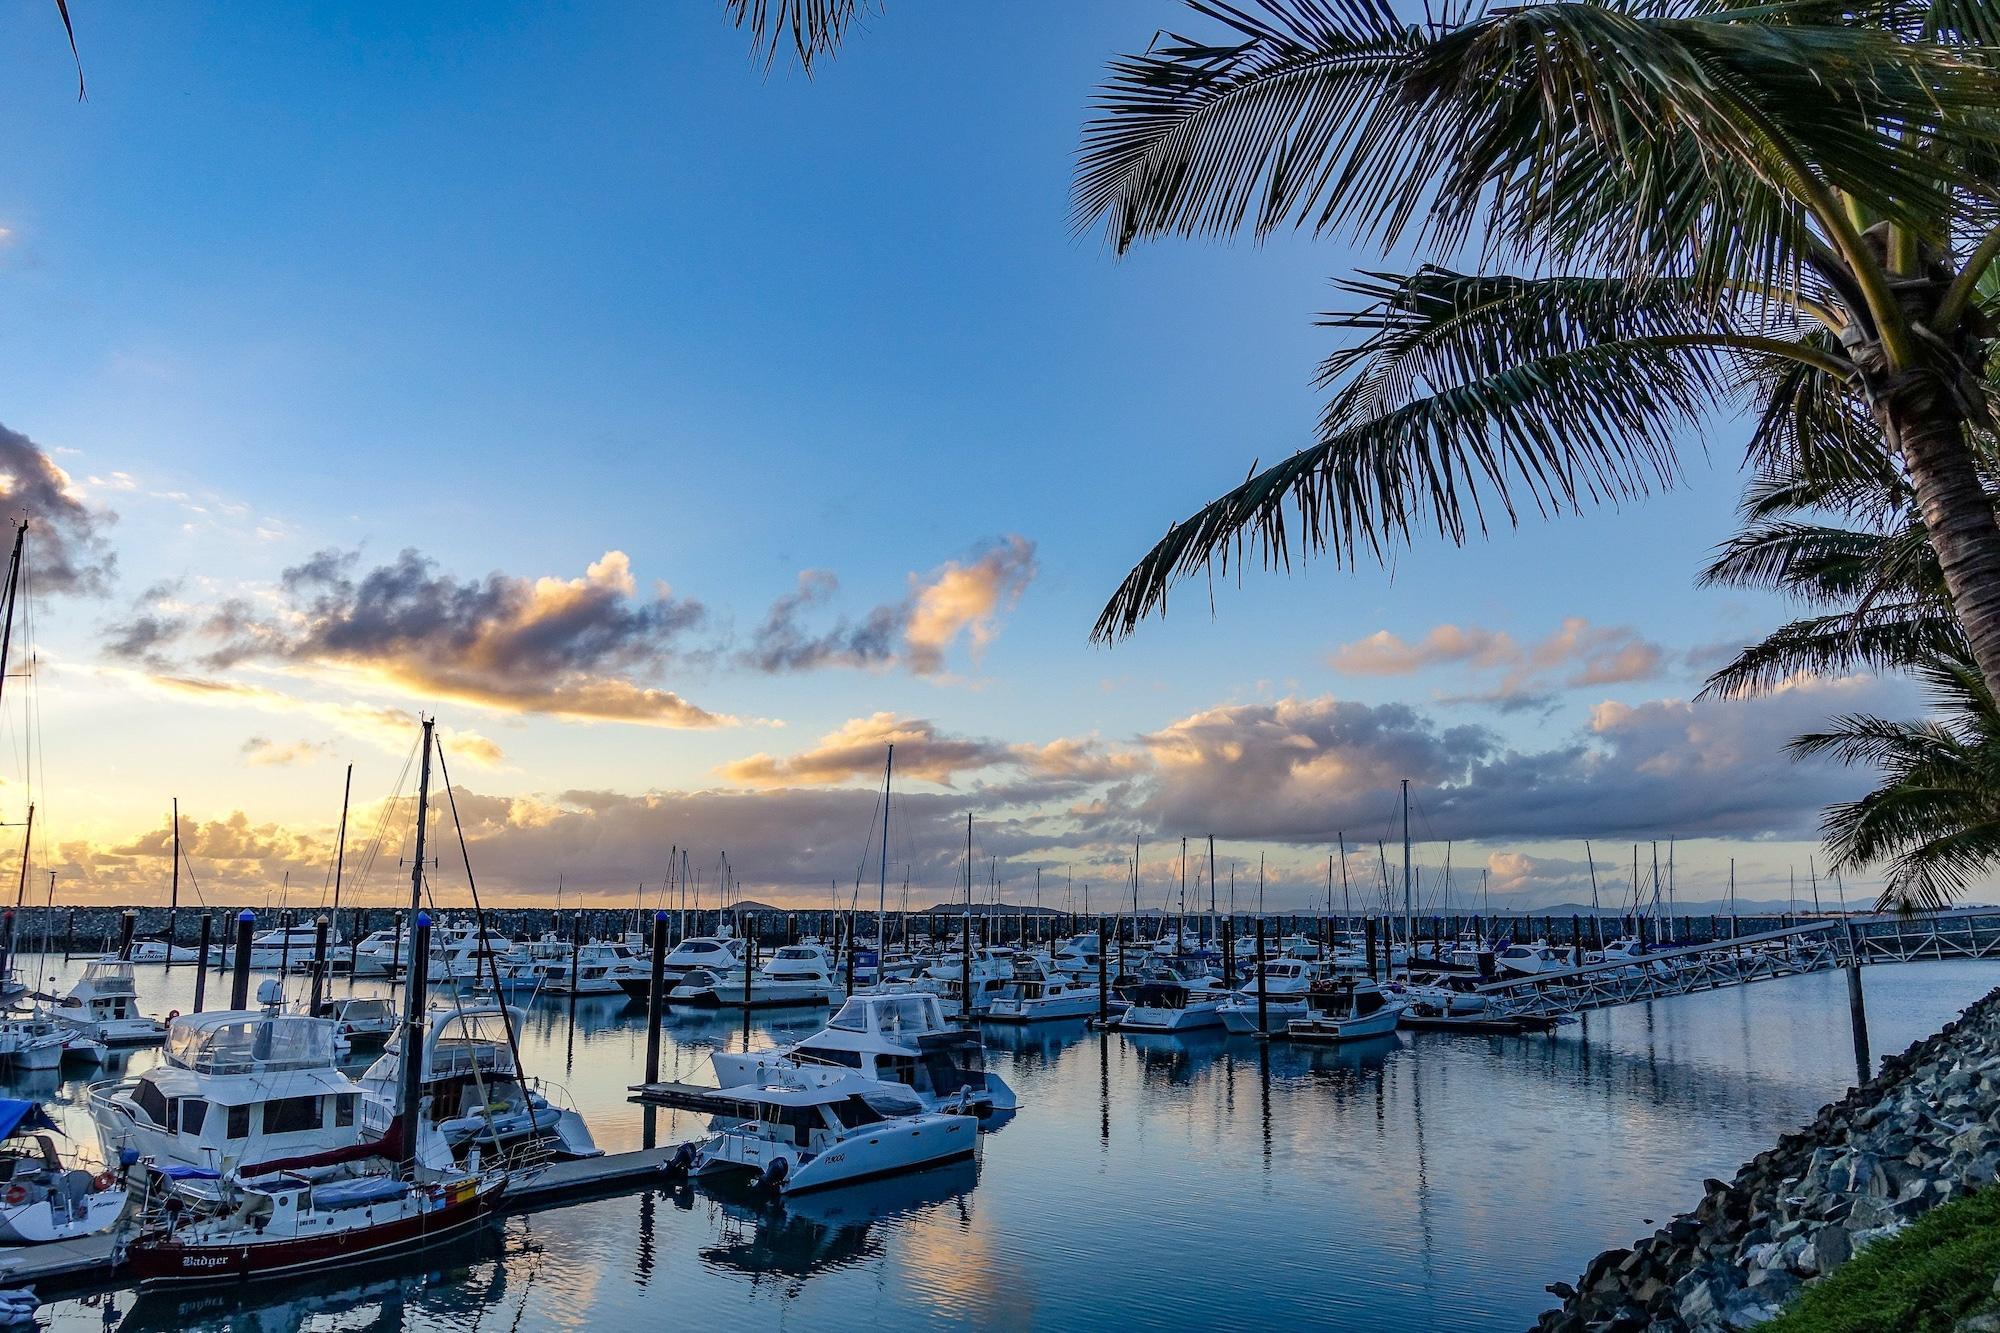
(887, 1098)
(895, 1015)
(22, 1117)
(242, 1041)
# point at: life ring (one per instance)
(17, 1194)
(103, 1181)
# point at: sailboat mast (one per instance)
(13, 588)
(1211, 886)
(413, 1018)
(1408, 919)
(21, 889)
(174, 893)
(340, 851)
(882, 883)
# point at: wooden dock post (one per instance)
(656, 994)
(318, 961)
(201, 963)
(1371, 947)
(1103, 981)
(128, 920)
(1263, 995)
(239, 985)
(1857, 1008)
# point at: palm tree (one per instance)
(1935, 817)
(814, 28)
(1672, 207)
(1857, 554)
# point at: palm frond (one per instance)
(812, 28)
(1886, 637)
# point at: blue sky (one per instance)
(520, 285)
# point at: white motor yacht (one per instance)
(234, 1086)
(361, 1021)
(37, 1041)
(278, 947)
(717, 953)
(892, 1036)
(798, 1135)
(382, 953)
(1525, 960)
(41, 1199)
(601, 969)
(1176, 995)
(1347, 1009)
(525, 964)
(1286, 982)
(473, 1087)
(104, 1006)
(1038, 993)
(159, 949)
(796, 974)
(1077, 955)
(992, 970)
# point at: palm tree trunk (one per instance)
(1960, 517)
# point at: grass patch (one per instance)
(1924, 1279)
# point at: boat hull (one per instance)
(896, 1146)
(1331, 1031)
(1083, 1004)
(1242, 1018)
(37, 1223)
(1147, 1018)
(168, 1262)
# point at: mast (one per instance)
(1260, 884)
(340, 851)
(413, 1018)
(21, 889)
(174, 894)
(13, 588)
(1408, 919)
(1346, 906)
(882, 883)
(1180, 937)
(1211, 886)
(1592, 864)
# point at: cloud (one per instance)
(857, 749)
(580, 648)
(263, 752)
(1303, 770)
(67, 550)
(782, 644)
(957, 601)
(1578, 655)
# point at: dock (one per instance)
(681, 1096)
(84, 1261)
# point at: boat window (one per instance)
(699, 946)
(827, 1055)
(343, 1110)
(853, 1112)
(152, 1101)
(853, 1016)
(239, 1122)
(289, 1115)
(194, 1114)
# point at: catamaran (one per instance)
(800, 1134)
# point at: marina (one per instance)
(1112, 1127)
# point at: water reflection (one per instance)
(827, 1229)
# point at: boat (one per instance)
(41, 1199)
(278, 948)
(1039, 994)
(601, 969)
(797, 1135)
(992, 971)
(1076, 955)
(473, 1090)
(1346, 1009)
(381, 953)
(159, 949)
(360, 1022)
(525, 964)
(1286, 982)
(891, 1036)
(37, 1041)
(202, 1228)
(1526, 960)
(1175, 995)
(104, 1006)
(233, 1085)
(716, 953)
(796, 974)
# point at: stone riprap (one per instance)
(1923, 1131)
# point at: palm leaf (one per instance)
(812, 28)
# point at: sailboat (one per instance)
(333, 1208)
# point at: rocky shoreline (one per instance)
(1925, 1130)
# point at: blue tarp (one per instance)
(188, 1173)
(20, 1117)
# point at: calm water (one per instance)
(1427, 1182)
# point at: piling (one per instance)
(1103, 982)
(319, 960)
(1857, 1009)
(656, 994)
(850, 958)
(1263, 994)
(69, 934)
(1370, 926)
(965, 971)
(239, 984)
(127, 920)
(395, 947)
(1576, 940)
(201, 964)
(417, 1006)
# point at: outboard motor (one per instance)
(773, 1179)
